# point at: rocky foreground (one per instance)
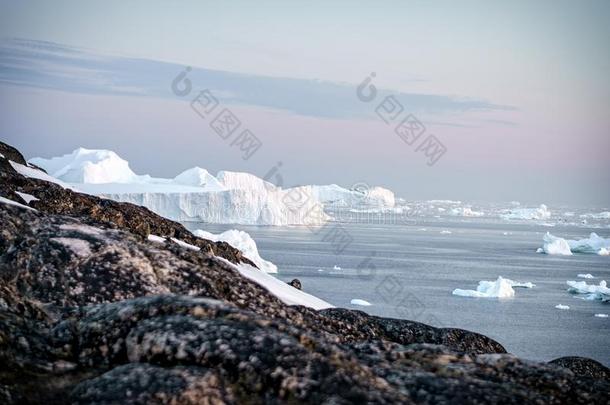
(93, 312)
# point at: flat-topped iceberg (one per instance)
(197, 195)
(595, 244)
(501, 288)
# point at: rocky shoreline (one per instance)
(93, 312)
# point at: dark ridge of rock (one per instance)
(408, 332)
(296, 283)
(54, 199)
(11, 153)
(583, 367)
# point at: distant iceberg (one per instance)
(501, 288)
(590, 291)
(554, 245)
(360, 302)
(542, 212)
(466, 212)
(197, 195)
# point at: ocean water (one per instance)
(408, 269)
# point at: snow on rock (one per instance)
(14, 203)
(357, 301)
(554, 245)
(26, 197)
(280, 289)
(590, 291)
(240, 240)
(541, 212)
(37, 174)
(501, 288)
(465, 212)
(90, 166)
(560, 306)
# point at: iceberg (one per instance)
(357, 301)
(337, 196)
(193, 195)
(501, 288)
(541, 212)
(465, 212)
(554, 245)
(240, 240)
(590, 291)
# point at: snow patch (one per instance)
(14, 203)
(280, 289)
(26, 197)
(240, 240)
(38, 174)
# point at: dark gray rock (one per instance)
(296, 283)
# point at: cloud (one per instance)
(54, 66)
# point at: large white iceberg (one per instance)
(590, 291)
(554, 245)
(193, 195)
(501, 288)
(337, 196)
(242, 241)
(542, 212)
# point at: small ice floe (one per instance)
(422, 229)
(590, 291)
(360, 302)
(601, 215)
(601, 315)
(445, 232)
(320, 270)
(588, 275)
(335, 267)
(465, 212)
(501, 288)
(554, 245)
(559, 306)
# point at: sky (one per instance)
(517, 93)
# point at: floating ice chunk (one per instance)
(601, 315)
(590, 291)
(501, 288)
(601, 215)
(26, 197)
(360, 302)
(335, 267)
(554, 245)
(588, 275)
(466, 212)
(541, 212)
(560, 306)
(445, 232)
(242, 241)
